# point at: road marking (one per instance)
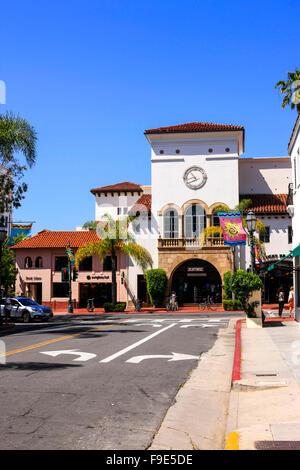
(125, 350)
(155, 325)
(83, 356)
(44, 343)
(173, 357)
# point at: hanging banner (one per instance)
(17, 230)
(257, 254)
(233, 230)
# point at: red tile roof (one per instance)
(267, 203)
(195, 127)
(142, 205)
(126, 186)
(49, 239)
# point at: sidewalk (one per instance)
(264, 410)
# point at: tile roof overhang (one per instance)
(142, 205)
(194, 127)
(267, 203)
(55, 239)
(118, 188)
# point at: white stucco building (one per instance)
(294, 201)
(195, 168)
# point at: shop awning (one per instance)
(293, 253)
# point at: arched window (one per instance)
(171, 224)
(215, 219)
(194, 221)
(27, 262)
(39, 262)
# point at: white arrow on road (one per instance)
(83, 356)
(173, 357)
(155, 325)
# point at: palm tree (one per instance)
(286, 89)
(90, 225)
(17, 136)
(115, 238)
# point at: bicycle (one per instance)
(208, 304)
(90, 305)
(171, 305)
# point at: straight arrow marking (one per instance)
(125, 350)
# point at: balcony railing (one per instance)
(190, 243)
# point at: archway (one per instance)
(194, 280)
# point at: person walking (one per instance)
(291, 300)
(280, 296)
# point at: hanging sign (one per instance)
(233, 230)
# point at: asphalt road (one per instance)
(114, 396)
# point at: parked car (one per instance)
(26, 309)
(2, 309)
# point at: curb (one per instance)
(236, 372)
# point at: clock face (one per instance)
(195, 177)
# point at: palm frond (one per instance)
(138, 253)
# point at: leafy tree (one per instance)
(289, 88)
(17, 136)
(8, 265)
(156, 285)
(90, 225)
(114, 238)
(242, 285)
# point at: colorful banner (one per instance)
(257, 254)
(17, 230)
(233, 230)
(70, 255)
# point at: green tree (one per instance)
(90, 225)
(290, 87)
(115, 238)
(156, 285)
(8, 265)
(242, 285)
(17, 137)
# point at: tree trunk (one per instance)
(113, 279)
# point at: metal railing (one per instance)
(190, 243)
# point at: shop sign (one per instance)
(33, 278)
(97, 278)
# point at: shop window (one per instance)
(107, 265)
(60, 263)
(290, 234)
(27, 262)
(171, 224)
(39, 262)
(86, 264)
(265, 237)
(60, 289)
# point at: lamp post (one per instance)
(251, 226)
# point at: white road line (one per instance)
(125, 350)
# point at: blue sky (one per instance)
(92, 76)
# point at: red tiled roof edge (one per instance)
(195, 127)
(267, 203)
(57, 239)
(142, 205)
(119, 187)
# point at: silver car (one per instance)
(26, 309)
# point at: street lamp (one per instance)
(251, 226)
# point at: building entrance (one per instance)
(195, 280)
(100, 292)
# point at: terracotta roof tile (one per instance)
(126, 186)
(267, 203)
(195, 127)
(49, 239)
(142, 205)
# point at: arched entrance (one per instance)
(194, 280)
